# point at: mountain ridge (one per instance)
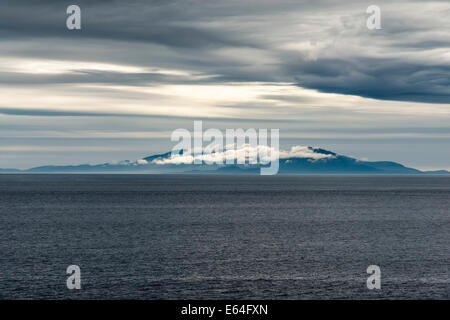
(310, 161)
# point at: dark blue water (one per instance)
(224, 237)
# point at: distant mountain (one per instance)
(10, 171)
(299, 160)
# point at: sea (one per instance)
(224, 236)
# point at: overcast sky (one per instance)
(140, 69)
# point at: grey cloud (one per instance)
(195, 35)
(26, 112)
(386, 79)
(95, 77)
(166, 23)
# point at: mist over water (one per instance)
(224, 237)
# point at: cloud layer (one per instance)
(260, 154)
(321, 45)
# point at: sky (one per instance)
(137, 70)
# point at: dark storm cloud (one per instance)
(144, 21)
(198, 35)
(387, 79)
